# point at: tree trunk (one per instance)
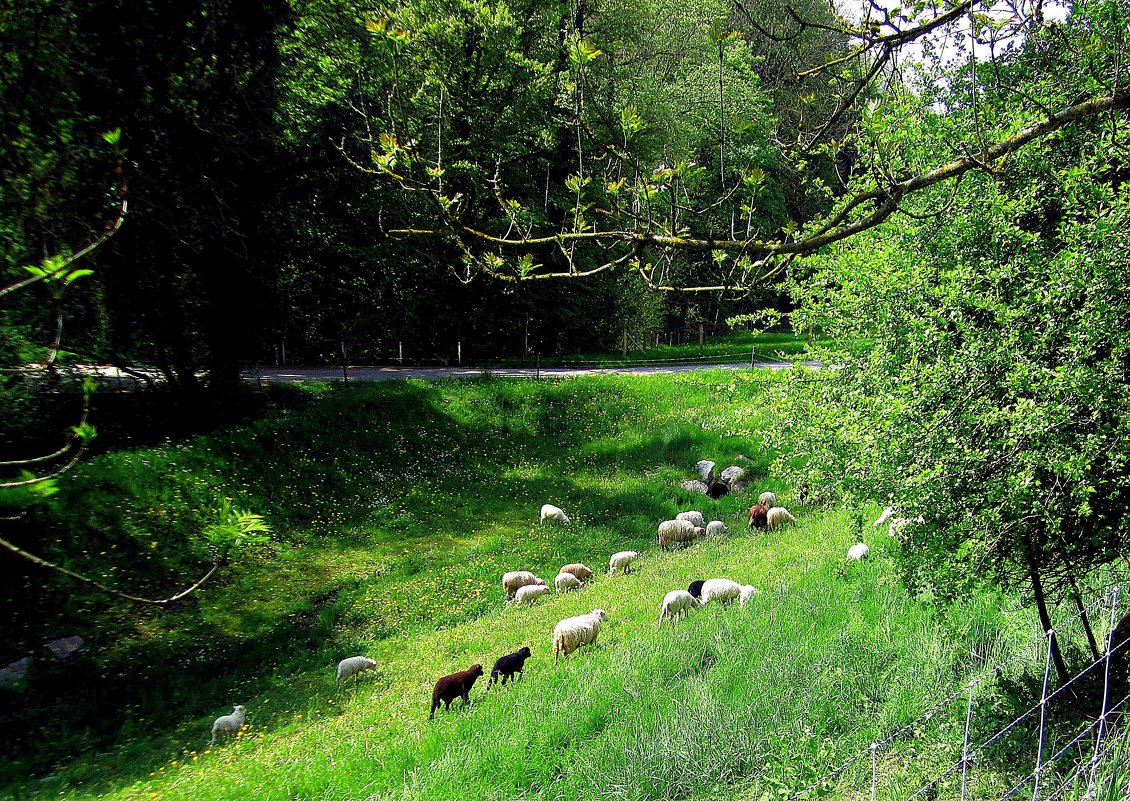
(1042, 609)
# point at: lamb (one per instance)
(530, 593)
(758, 515)
(696, 587)
(229, 724)
(694, 518)
(748, 591)
(553, 514)
(565, 582)
(353, 666)
(672, 531)
(777, 517)
(573, 632)
(676, 604)
(451, 687)
(720, 589)
(858, 552)
(622, 560)
(508, 665)
(897, 524)
(519, 578)
(715, 528)
(578, 570)
(767, 499)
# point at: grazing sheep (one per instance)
(519, 578)
(622, 560)
(229, 724)
(676, 604)
(1119, 646)
(578, 570)
(758, 515)
(451, 687)
(565, 582)
(573, 632)
(554, 514)
(898, 525)
(672, 531)
(694, 518)
(777, 517)
(508, 665)
(530, 593)
(767, 499)
(705, 470)
(353, 666)
(696, 587)
(715, 528)
(858, 552)
(747, 592)
(720, 589)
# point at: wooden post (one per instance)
(283, 343)
(459, 353)
(752, 356)
(400, 352)
(344, 364)
(537, 365)
(625, 342)
(700, 337)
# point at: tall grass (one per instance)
(397, 508)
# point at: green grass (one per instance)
(737, 346)
(397, 507)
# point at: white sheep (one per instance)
(897, 525)
(767, 499)
(352, 666)
(777, 517)
(229, 724)
(715, 528)
(672, 531)
(694, 518)
(573, 632)
(719, 589)
(519, 578)
(530, 593)
(622, 560)
(676, 604)
(565, 582)
(858, 552)
(553, 514)
(747, 592)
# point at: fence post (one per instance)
(752, 357)
(625, 342)
(965, 744)
(537, 365)
(700, 338)
(282, 342)
(459, 353)
(1110, 645)
(1043, 717)
(344, 363)
(400, 353)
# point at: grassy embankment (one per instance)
(396, 509)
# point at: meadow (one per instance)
(396, 507)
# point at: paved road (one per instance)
(299, 374)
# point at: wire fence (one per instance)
(1064, 760)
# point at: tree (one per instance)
(980, 376)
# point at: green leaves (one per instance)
(235, 529)
(581, 53)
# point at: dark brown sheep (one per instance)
(451, 687)
(757, 516)
(696, 587)
(508, 665)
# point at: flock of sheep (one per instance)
(523, 587)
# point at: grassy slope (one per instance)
(399, 506)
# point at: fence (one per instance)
(1062, 762)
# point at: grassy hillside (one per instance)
(397, 507)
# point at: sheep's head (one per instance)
(600, 614)
(475, 671)
(539, 582)
(699, 531)
(748, 591)
(239, 710)
(524, 651)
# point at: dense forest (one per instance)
(931, 196)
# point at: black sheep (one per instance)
(508, 665)
(696, 588)
(451, 687)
